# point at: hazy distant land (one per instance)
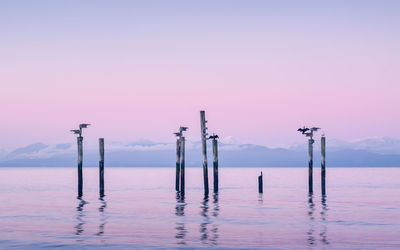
(377, 152)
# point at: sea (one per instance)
(39, 209)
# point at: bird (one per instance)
(309, 134)
(76, 131)
(183, 129)
(83, 125)
(214, 136)
(179, 134)
(303, 130)
(314, 129)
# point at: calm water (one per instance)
(39, 209)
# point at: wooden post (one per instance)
(323, 165)
(310, 165)
(101, 166)
(215, 164)
(80, 155)
(178, 162)
(204, 150)
(182, 165)
(260, 183)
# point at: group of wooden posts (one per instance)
(310, 158)
(180, 160)
(80, 158)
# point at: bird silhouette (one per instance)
(303, 130)
(83, 125)
(76, 131)
(178, 134)
(314, 129)
(309, 134)
(214, 136)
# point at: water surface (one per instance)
(39, 209)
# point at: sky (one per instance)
(140, 69)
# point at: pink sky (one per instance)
(139, 72)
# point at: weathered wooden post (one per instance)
(182, 165)
(178, 162)
(204, 150)
(310, 154)
(310, 165)
(260, 183)
(80, 156)
(178, 156)
(101, 166)
(323, 165)
(215, 161)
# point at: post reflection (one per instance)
(214, 230)
(103, 218)
(324, 232)
(180, 225)
(80, 217)
(322, 225)
(311, 209)
(208, 226)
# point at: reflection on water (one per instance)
(312, 222)
(214, 229)
(103, 218)
(209, 236)
(180, 225)
(142, 211)
(324, 232)
(310, 233)
(80, 217)
(260, 198)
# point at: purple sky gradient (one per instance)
(260, 69)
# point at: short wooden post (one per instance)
(323, 165)
(80, 156)
(182, 166)
(204, 150)
(101, 166)
(178, 162)
(260, 183)
(215, 164)
(310, 165)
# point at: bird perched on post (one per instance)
(214, 136)
(83, 125)
(303, 130)
(76, 131)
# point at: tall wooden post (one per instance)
(204, 150)
(215, 164)
(310, 165)
(178, 162)
(182, 165)
(323, 165)
(80, 156)
(101, 166)
(260, 183)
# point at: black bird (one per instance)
(303, 130)
(179, 134)
(83, 125)
(314, 129)
(76, 131)
(214, 136)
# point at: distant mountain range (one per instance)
(375, 152)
